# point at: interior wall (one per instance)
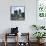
(24, 26)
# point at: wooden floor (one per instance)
(13, 44)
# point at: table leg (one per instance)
(5, 40)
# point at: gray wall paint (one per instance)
(24, 26)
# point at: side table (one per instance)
(8, 34)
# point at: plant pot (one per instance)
(40, 41)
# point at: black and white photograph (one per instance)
(17, 13)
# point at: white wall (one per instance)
(30, 15)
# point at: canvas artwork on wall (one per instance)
(41, 8)
(17, 12)
(41, 12)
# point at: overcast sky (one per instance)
(17, 8)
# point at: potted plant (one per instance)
(38, 27)
(39, 35)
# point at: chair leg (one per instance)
(5, 43)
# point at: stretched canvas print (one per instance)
(17, 13)
(41, 8)
(41, 12)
